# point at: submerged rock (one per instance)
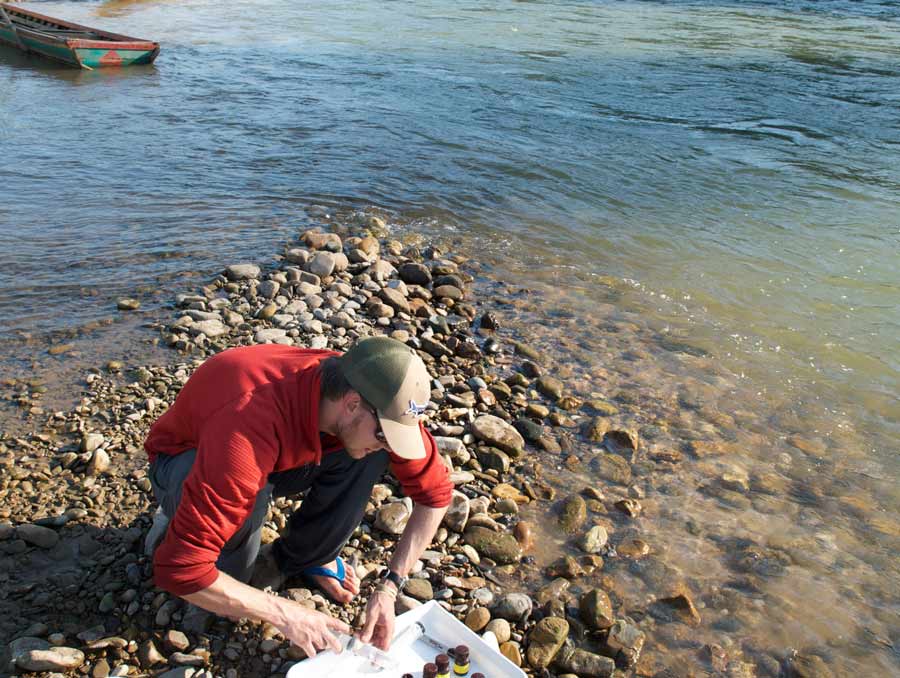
(500, 547)
(513, 607)
(594, 539)
(596, 609)
(589, 665)
(573, 513)
(545, 640)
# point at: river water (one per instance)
(723, 173)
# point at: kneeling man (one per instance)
(268, 421)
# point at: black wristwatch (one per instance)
(396, 579)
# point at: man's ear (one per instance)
(352, 402)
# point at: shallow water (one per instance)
(724, 174)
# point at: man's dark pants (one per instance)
(336, 495)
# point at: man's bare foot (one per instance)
(339, 592)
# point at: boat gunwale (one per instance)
(113, 39)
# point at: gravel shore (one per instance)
(76, 596)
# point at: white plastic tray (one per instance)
(439, 625)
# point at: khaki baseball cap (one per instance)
(391, 377)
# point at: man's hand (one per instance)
(306, 628)
(379, 628)
(310, 630)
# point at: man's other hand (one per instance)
(379, 627)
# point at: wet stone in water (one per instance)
(545, 640)
(573, 513)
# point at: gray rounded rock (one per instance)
(322, 264)
(514, 607)
(42, 537)
(242, 272)
(414, 273)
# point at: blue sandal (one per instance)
(339, 574)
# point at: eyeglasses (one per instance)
(379, 433)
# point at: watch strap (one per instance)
(396, 579)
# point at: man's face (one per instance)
(360, 431)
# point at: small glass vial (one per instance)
(461, 660)
(429, 671)
(442, 662)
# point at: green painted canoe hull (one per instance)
(73, 44)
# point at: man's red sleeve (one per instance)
(426, 481)
(230, 469)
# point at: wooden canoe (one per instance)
(70, 43)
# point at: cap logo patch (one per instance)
(415, 409)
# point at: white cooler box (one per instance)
(411, 653)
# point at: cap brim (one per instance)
(405, 441)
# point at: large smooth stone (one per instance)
(494, 431)
(297, 255)
(420, 589)
(513, 607)
(500, 547)
(458, 512)
(91, 441)
(381, 270)
(271, 334)
(545, 641)
(242, 272)
(99, 462)
(209, 328)
(414, 273)
(589, 665)
(626, 639)
(395, 299)
(478, 618)
(322, 264)
(613, 468)
(596, 609)
(322, 241)
(20, 646)
(42, 537)
(392, 518)
(573, 513)
(55, 659)
(594, 539)
(492, 458)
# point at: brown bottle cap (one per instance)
(407, 675)
(462, 654)
(429, 671)
(443, 663)
(477, 675)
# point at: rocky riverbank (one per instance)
(76, 594)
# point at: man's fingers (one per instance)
(366, 634)
(337, 625)
(309, 649)
(380, 641)
(331, 641)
